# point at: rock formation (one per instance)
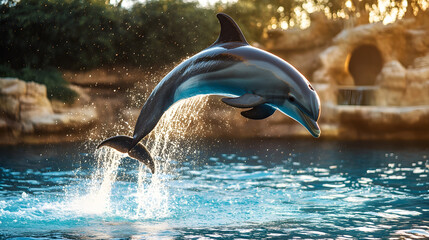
(301, 47)
(27, 116)
(384, 67)
(373, 81)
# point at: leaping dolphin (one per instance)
(247, 76)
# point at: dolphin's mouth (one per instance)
(310, 124)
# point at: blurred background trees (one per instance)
(257, 16)
(160, 32)
(56, 35)
(84, 34)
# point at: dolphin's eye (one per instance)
(311, 87)
(291, 98)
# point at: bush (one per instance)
(84, 34)
(39, 37)
(70, 34)
(164, 31)
(56, 86)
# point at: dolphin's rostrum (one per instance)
(249, 77)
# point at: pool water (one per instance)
(223, 189)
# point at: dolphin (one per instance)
(246, 76)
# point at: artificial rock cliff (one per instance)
(27, 116)
(373, 79)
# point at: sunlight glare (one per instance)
(349, 4)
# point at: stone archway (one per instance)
(365, 64)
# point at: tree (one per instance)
(256, 16)
(82, 34)
(160, 32)
(70, 34)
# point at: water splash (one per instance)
(171, 137)
(246, 194)
(97, 201)
(168, 142)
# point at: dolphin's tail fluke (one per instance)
(123, 145)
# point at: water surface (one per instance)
(223, 189)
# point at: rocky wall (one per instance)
(390, 61)
(323, 53)
(27, 116)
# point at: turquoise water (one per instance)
(230, 189)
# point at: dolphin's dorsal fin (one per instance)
(229, 30)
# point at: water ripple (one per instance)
(220, 195)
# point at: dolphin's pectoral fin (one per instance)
(247, 100)
(259, 112)
(123, 145)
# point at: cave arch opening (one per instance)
(365, 64)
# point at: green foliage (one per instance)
(163, 31)
(71, 34)
(84, 34)
(56, 86)
(39, 37)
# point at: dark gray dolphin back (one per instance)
(229, 31)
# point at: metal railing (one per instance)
(356, 95)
